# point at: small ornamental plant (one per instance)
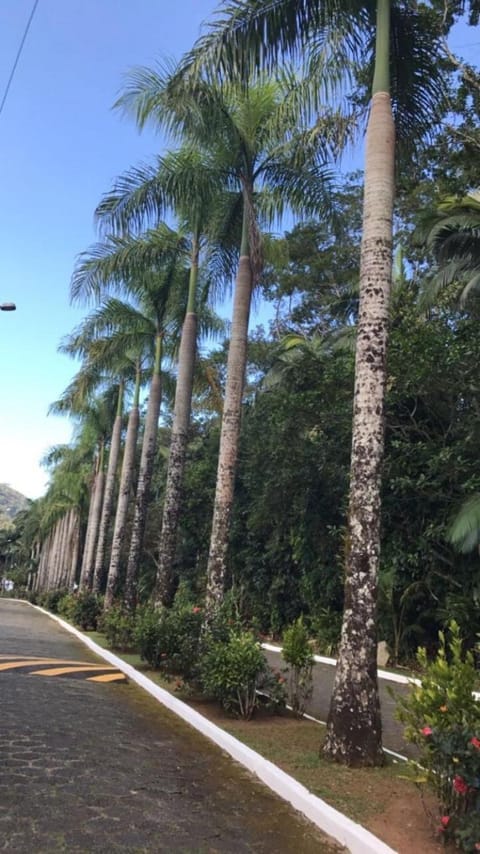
(442, 717)
(299, 659)
(232, 671)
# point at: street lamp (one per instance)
(7, 306)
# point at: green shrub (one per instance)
(442, 718)
(298, 655)
(326, 625)
(119, 627)
(83, 608)
(231, 671)
(168, 639)
(51, 599)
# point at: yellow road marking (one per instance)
(25, 662)
(34, 659)
(59, 671)
(16, 662)
(108, 677)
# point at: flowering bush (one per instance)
(442, 718)
(298, 655)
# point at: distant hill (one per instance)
(11, 502)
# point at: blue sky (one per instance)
(60, 147)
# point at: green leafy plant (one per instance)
(298, 656)
(442, 717)
(119, 627)
(231, 671)
(83, 608)
(52, 598)
(168, 639)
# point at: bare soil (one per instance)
(390, 807)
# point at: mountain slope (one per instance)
(11, 502)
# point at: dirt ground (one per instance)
(389, 806)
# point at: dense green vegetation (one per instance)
(337, 449)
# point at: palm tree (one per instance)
(158, 277)
(271, 164)
(253, 34)
(452, 233)
(188, 182)
(78, 400)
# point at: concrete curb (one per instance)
(382, 674)
(345, 831)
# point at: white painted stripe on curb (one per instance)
(382, 674)
(355, 837)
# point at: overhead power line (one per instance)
(19, 53)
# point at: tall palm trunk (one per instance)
(178, 441)
(126, 482)
(145, 474)
(230, 432)
(114, 455)
(93, 523)
(354, 734)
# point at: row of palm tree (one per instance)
(246, 155)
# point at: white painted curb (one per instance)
(382, 674)
(331, 821)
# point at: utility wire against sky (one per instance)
(19, 53)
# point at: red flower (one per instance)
(427, 730)
(475, 741)
(445, 820)
(196, 609)
(460, 785)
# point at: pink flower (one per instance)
(477, 846)
(460, 785)
(444, 820)
(476, 742)
(427, 730)
(196, 609)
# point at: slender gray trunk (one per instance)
(126, 483)
(229, 438)
(354, 723)
(109, 494)
(143, 490)
(94, 523)
(176, 459)
(88, 533)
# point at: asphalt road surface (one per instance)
(91, 765)
(323, 675)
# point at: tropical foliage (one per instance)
(241, 466)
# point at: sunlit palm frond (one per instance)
(464, 531)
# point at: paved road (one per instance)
(323, 675)
(101, 767)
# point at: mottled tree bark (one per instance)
(126, 483)
(143, 488)
(88, 532)
(229, 438)
(176, 459)
(94, 523)
(99, 571)
(354, 723)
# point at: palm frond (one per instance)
(464, 531)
